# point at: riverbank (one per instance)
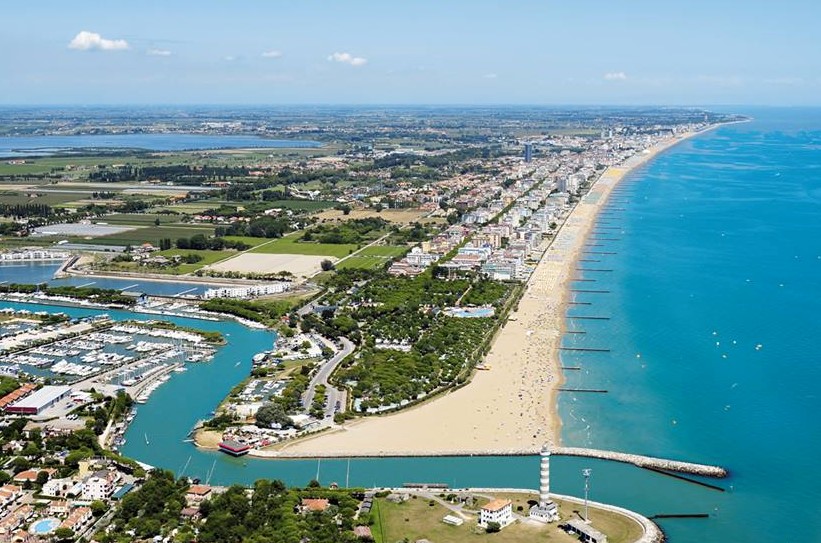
(512, 407)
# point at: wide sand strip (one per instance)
(512, 407)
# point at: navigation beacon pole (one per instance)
(586, 472)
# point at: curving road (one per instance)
(334, 395)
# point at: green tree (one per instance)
(272, 413)
(493, 527)
(98, 508)
(63, 534)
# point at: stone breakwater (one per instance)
(635, 459)
(645, 461)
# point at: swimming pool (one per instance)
(45, 526)
(471, 312)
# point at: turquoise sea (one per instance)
(713, 301)
(714, 304)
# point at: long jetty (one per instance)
(641, 461)
(648, 462)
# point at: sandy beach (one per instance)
(511, 408)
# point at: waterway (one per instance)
(36, 272)
(157, 436)
(30, 146)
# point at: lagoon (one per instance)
(31, 146)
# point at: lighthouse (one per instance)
(546, 510)
(544, 476)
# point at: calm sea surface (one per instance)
(714, 297)
(714, 303)
(23, 146)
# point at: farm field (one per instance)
(140, 235)
(391, 215)
(289, 245)
(139, 219)
(13, 197)
(307, 205)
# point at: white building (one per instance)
(246, 292)
(57, 487)
(97, 488)
(421, 259)
(500, 511)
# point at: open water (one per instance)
(714, 302)
(26, 146)
(714, 297)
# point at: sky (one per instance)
(629, 52)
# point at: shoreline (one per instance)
(514, 406)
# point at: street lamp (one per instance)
(586, 472)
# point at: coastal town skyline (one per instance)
(427, 53)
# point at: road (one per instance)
(321, 378)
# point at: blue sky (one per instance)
(410, 52)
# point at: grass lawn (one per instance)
(416, 519)
(387, 251)
(362, 262)
(289, 245)
(208, 257)
(373, 257)
(247, 240)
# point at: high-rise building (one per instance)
(528, 152)
(546, 510)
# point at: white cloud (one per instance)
(615, 76)
(229, 58)
(159, 52)
(348, 58)
(272, 54)
(87, 41)
(490, 76)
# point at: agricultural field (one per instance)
(302, 205)
(13, 197)
(402, 216)
(139, 219)
(373, 257)
(148, 234)
(207, 256)
(289, 245)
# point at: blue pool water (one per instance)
(45, 526)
